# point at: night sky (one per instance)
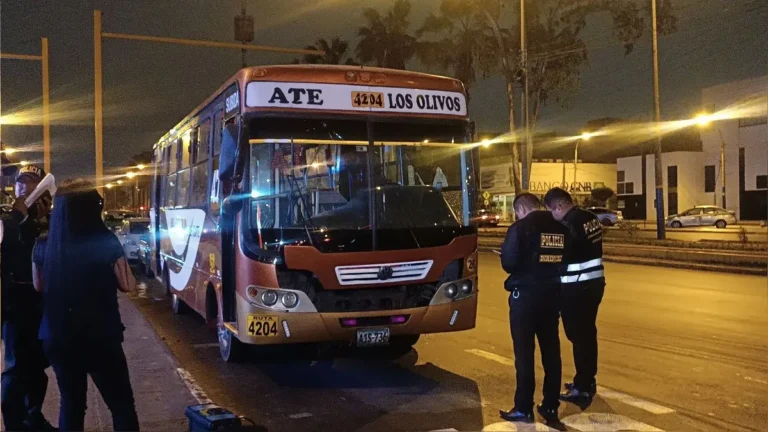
(148, 87)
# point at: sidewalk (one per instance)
(161, 396)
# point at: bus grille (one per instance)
(374, 299)
(370, 274)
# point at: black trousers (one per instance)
(24, 380)
(580, 302)
(534, 314)
(106, 365)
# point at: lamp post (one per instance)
(704, 120)
(658, 175)
(584, 137)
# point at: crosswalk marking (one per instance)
(604, 422)
(491, 356)
(635, 402)
(506, 426)
(601, 391)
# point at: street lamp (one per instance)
(130, 175)
(141, 166)
(486, 143)
(703, 120)
(585, 136)
(24, 163)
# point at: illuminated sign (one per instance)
(343, 97)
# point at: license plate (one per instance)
(372, 337)
(368, 100)
(262, 325)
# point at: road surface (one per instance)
(679, 350)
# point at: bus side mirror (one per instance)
(233, 139)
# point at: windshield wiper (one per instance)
(296, 190)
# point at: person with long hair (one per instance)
(79, 268)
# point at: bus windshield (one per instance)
(318, 176)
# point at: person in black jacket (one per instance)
(23, 379)
(583, 285)
(532, 254)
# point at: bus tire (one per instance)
(177, 304)
(403, 342)
(230, 347)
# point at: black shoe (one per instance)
(569, 386)
(591, 390)
(574, 394)
(515, 415)
(549, 413)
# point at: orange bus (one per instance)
(320, 204)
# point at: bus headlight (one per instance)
(289, 299)
(466, 287)
(451, 291)
(269, 297)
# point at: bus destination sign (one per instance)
(342, 97)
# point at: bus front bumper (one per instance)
(298, 327)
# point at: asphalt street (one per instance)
(679, 350)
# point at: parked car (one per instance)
(144, 258)
(131, 232)
(486, 218)
(607, 216)
(702, 215)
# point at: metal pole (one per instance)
(46, 107)
(660, 227)
(722, 165)
(575, 160)
(528, 154)
(242, 51)
(97, 99)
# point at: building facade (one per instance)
(695, 177)
(579, 179)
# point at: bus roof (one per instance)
(336, 82)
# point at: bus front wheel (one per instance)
(230, 347)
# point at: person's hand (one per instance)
(43, 205)
(20, 206)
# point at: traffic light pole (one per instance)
(98, 35)
(46, 119)
(660, 221)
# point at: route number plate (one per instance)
(372, 337)
(262, 325)
(367, 100)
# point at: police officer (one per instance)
(532, 254)
(24, 380)
(582, 290)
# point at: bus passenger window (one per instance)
(203, 139)
(170, 192)
(173, 165)
(182, 189)
(186, 149)
(217, 124)
(199, 185)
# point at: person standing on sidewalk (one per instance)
(532, 254)
(582, 290)
(79, 268)
(24, 380)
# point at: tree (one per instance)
(601, 195)
(385, 41)
(335, 52)
(556, 49)
(462, 40)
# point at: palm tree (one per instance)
(385, 41)
(335, 52)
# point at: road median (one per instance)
(673, 254)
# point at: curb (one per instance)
(755, 271)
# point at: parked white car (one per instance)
(703, 215)
(607, 216)
(131, 232)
